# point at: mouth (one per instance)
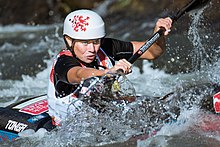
(91, 57)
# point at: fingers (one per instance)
(165, 23)
(124, 65)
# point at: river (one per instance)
(190, 61)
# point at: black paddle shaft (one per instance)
(194, 4)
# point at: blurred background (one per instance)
(34, 12)
(31, 34)
(125, 20)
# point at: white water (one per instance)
(152, 82)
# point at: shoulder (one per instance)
(65, 52)
(63, 64)
(65, 59)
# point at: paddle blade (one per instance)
(194, 4)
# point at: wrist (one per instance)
(106, 71)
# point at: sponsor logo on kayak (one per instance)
(15, 126)
(36, 108)
(36, 118)
(216, 102)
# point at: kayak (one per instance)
(32, 113)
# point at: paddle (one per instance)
(194, 4)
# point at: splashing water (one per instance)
(199, 54)
(121, 121)
(213, 73)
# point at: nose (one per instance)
(91, 47)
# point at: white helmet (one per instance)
(84, 24)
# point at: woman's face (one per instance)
(86, 50)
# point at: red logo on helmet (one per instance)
(79, 23)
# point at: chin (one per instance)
(89, 61)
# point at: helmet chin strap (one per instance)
(67, 44)
(69, 47)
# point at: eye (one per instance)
(96, 41)
(85, 43)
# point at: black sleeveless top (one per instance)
(115, 50)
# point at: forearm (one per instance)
(77, 74)
(154, 51)
(158, 48)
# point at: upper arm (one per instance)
(63, 65)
